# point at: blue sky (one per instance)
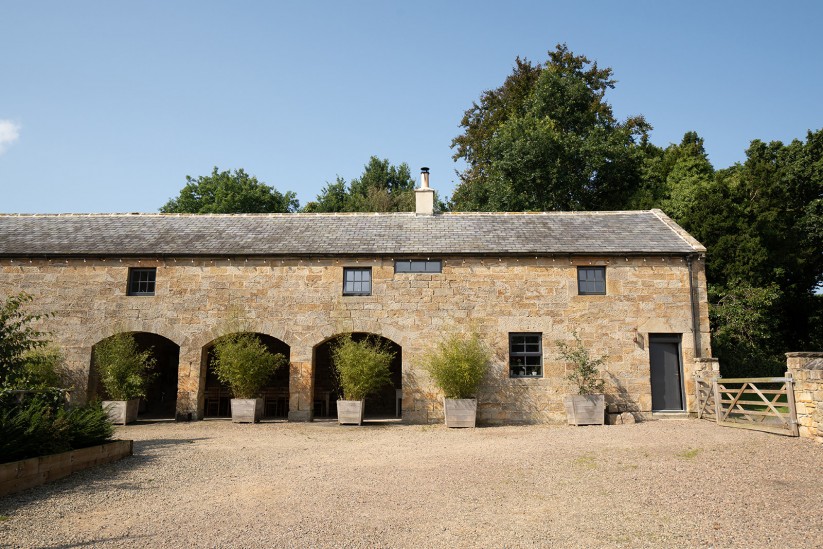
(107, 106)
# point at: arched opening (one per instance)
(381, 405)
(217, 401)
(160, 401)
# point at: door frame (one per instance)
(670, 338)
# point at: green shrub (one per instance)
(585, 374)
(88, 425)
(124, 370)
(41, 368)
(17, 338)
(458, 364)
(34, 428)
(245, 364)
(362, 367)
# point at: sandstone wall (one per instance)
(807, 371)
(300, 302)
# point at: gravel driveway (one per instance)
(671, 483)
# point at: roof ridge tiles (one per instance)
(328, 214)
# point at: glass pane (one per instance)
(433, 266)
(402, 266)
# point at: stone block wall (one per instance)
(300, 302)
(807, 371)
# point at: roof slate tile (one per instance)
(343, 234)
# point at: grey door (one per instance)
(667, 383)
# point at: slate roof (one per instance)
(635, 232)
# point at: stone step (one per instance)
(670, 415)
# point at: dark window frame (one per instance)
(519, 351)
(356, 283)
(140, 285)
(587, 285)
(413, 266)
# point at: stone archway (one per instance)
(384, 404)
(160, 401)
(217, 396)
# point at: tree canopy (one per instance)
(548, 140)
(761, 224)
(227, 192)
(381, 188)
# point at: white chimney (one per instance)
(424, 196)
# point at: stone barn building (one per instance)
(631, 284)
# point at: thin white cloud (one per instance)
(9, 133)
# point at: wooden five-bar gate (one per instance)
(762, 403)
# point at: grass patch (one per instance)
(3, 518)
(588, 462)
(689, 454)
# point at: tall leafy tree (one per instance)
(548, 140)
(227, 192)
(760, 221)
(381, 188)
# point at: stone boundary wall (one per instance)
(807, 371)
(28, 473)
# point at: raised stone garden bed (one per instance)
(28, 473)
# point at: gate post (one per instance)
(717, 404)
(705, 369)
(790, 400)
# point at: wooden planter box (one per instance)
(28, 473)
(460, 412)
(246, 410)
(585, 409)
(350, 412)
(122, 412)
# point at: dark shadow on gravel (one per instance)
(94, 542)
(93, 478)
(163, 442)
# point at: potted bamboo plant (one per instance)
(362, 367)
(458, 365)
(588, 406)
(124, 374)
(245, 364)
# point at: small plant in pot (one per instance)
(458, 365)
(124, 373)
(362, 367)
(245, 364)
(588, 406)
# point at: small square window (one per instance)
(526, 355)
(591, 280)
(418, 266)
(356, 281)
(141, 281)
